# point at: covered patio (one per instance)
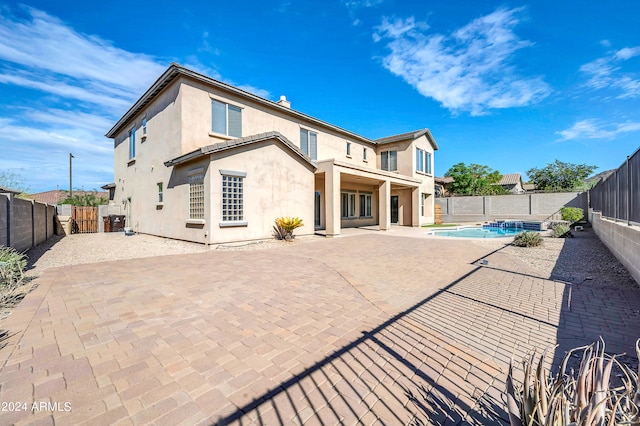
(349, 196)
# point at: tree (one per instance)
(474, 179)
(12, 180)
(90, 199)
(560, 176)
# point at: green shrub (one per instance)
(585, 398)
(561, 231)
(12, 263)
(572, 214)
(284, 227)
(527, 239)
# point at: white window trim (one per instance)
(309, 132)
(196, 172)
(232, 223)
(389, 159)
(370, 196)
(355, 204)
(227, 103)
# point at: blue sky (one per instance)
(511, 85)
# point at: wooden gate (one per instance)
(437, 214)
(84, 220)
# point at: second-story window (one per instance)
(423, 161)
(132, 144)
(348, 149)
(226, 119)
(309, 143)
(389, 161)
(419, 160)
(144, 126)
(364, 154)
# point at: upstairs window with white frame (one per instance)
(309, 143)
(364, 154)
(226, 119)
(389, 161)
(196, 195)
(348, 204)
(423, 161)
(132, 144)
(348, 149)
(144, 126)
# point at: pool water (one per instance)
(478, 232)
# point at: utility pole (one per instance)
(70, 176)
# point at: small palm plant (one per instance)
(587, 399)
(284, 227)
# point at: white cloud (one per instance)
(592, 129)
(78, 86)
(607, 73)
(361, 4)
(53, 57)
(468, 70)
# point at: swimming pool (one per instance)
(477, 232)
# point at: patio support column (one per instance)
(415, 207)
(384, 205)
(332, 201)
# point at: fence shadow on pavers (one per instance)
(35, 253)
(601, 299)
(401, 372)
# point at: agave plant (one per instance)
(565, 400)
(527, 239)
(284, 227)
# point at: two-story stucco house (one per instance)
(200, 160)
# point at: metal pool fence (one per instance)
(618, 196)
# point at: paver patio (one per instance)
(321, 333)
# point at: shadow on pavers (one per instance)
(399, 373)
(600, 300)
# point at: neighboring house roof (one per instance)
(175, 70)
(9, 190)
(443, 180)
(528, 186)
(510, 179)
(408, 135)
(234, 143)
(56, 196)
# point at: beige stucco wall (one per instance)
(257, 119)
(277, 183)
(179, 121)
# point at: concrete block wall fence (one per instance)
(25, 223)
(496, 207)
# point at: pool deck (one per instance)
(373, 328)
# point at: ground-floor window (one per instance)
(365, 205)
(196, 195)
(423, 204)
(348, 204)
(232, 198)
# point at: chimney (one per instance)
(284, 102)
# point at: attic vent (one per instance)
(284, 102)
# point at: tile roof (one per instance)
(510, 179)
(9, 190)
(407, 135)
(235, 143)
(56, 196)
(175, 71)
